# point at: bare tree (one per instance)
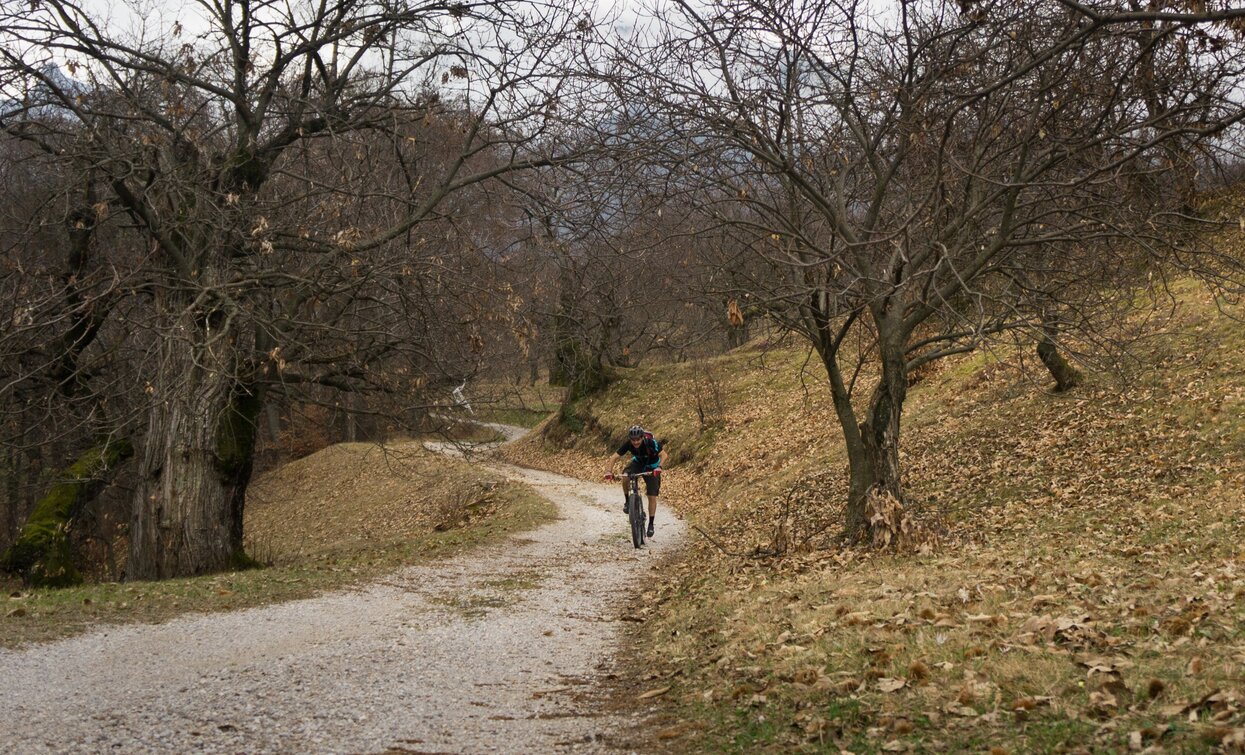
(908, 182)
(229, 143)
(612, 279)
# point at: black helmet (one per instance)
(635, 432)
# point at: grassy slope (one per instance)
(343, 515)
(1088, 592)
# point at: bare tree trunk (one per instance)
(533, 369)
(860, 482)
(1066, 376)
(182, 522)
(565, 342)
(875, 473)
(860, 461)
(352, 428)
(273, 415)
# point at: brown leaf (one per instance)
(918, 671)
(653, 693)
(674, 732)
(957, 709)
(891, 685)
(1102, 705)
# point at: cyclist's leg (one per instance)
(652, 487)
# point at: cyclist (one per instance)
(647, 455)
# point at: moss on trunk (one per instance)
(42, 554)
(235, 451)
(1066, 376)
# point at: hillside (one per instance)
(1087, 590)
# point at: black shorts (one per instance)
(652, 485)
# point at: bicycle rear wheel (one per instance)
(636, 515)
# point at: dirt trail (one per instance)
(496, 650)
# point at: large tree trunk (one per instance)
(183, 513)
(42, 554)
(875, 510)
(236, 453)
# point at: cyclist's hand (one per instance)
(657, 472)
(609, 476)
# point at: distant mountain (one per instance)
(44, 99)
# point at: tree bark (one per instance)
(876, 480)
(560, 369)
(236, 453)
(42, 554)
(533, 369)
(273, 416)
(859, 461)
(1066, 376)
(12, 493)
(183, 514)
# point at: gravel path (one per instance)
(497, 650)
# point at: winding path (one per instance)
(497, 650)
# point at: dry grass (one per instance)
(1088, 593)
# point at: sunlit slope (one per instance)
(1087, 589)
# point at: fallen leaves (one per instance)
(891, 685)
(957, 708)
(1140, 739)
(1219, 706)
(1087, 580)
(1074, 631)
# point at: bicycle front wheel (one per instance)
(637, 520)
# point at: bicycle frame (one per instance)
(636, 507)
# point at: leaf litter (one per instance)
(1086, 590)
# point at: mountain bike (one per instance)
(635, 507)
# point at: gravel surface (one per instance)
(496, 650)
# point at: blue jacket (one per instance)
(647, 456)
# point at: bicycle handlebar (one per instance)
(629, 475)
